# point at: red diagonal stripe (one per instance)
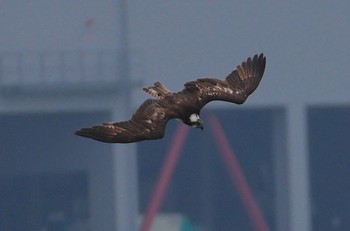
(165, 176)
(238, 177)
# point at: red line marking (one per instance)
(237, 175)
(168, 168)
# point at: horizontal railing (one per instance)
(59, 67)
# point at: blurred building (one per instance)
(71, 64)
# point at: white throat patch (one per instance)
(194, 118)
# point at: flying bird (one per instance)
(150, 119)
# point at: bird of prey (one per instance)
(150, 119)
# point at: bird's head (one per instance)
(195, 121)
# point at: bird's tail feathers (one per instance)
(158, 90)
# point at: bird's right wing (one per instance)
(148, 122)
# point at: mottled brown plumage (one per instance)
(150, 119)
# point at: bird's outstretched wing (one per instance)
(236, 87)
(148, 122)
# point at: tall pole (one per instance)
(124, 45)
(124, 156)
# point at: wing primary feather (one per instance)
(236, 87)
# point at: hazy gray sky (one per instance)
(306, 43)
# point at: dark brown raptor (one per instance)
(150, 119)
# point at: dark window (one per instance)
(329, 132)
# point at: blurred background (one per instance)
(71, 64)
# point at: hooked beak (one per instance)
(201, 124)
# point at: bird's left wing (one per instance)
(236, 87)
(148, 122)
